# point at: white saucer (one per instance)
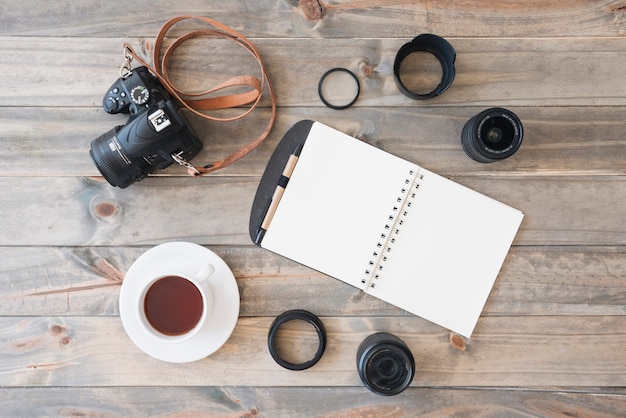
(183, 258)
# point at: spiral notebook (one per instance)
(383, 224)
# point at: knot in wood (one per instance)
(105, 209)
(458, 342)
(57, 329)
(59, 332)
(314, 10)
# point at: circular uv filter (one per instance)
(339, 88)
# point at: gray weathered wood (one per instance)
(526, 72)
(285, 402)
(504, 351)
(295, 18)
(551, 338)
(79, 281)
(213, 211)
(573, 141)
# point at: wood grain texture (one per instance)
(330, 19)
(504, 351)
(251, 402)
(558, 141)
(214, 211)
(550, 341)
(85, 281)
(523, 72)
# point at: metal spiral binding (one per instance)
(392, 227)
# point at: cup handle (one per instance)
(205, 273)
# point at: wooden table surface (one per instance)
(551, 340)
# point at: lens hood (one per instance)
(385, 364)
(438, 47)
(493, 134)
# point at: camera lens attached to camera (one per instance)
(493, 134)
(115, 165)
(385, 364)
(155, 136)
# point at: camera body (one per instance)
(155, 136)
(133, 93)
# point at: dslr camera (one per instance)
(155, 136)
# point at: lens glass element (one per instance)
(385, 364)
(497, 133)
(388, 369)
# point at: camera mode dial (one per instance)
(140, 95)
(138, 89)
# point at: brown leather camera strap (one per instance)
(197, 101)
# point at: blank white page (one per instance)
(445, 256)
(447, 253)
(335, 204)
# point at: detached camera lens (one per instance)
(493, 134)
(385, 364)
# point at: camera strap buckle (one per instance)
(181, 161)
(125, 69)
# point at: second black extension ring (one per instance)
(326, 102)
(303, 316)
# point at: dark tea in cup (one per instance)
(173, 305)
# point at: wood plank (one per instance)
(503, 71)
(295, 18)
(215, 211)
(573, 141)
(310, 402)
(503, 351)
(551, 338)
(85, 281)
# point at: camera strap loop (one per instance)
(198, 102)
(126, 69)
(184, 163)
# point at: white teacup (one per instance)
(173, 307)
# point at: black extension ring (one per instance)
(438, 47)
(290, 316)
(326, 102)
